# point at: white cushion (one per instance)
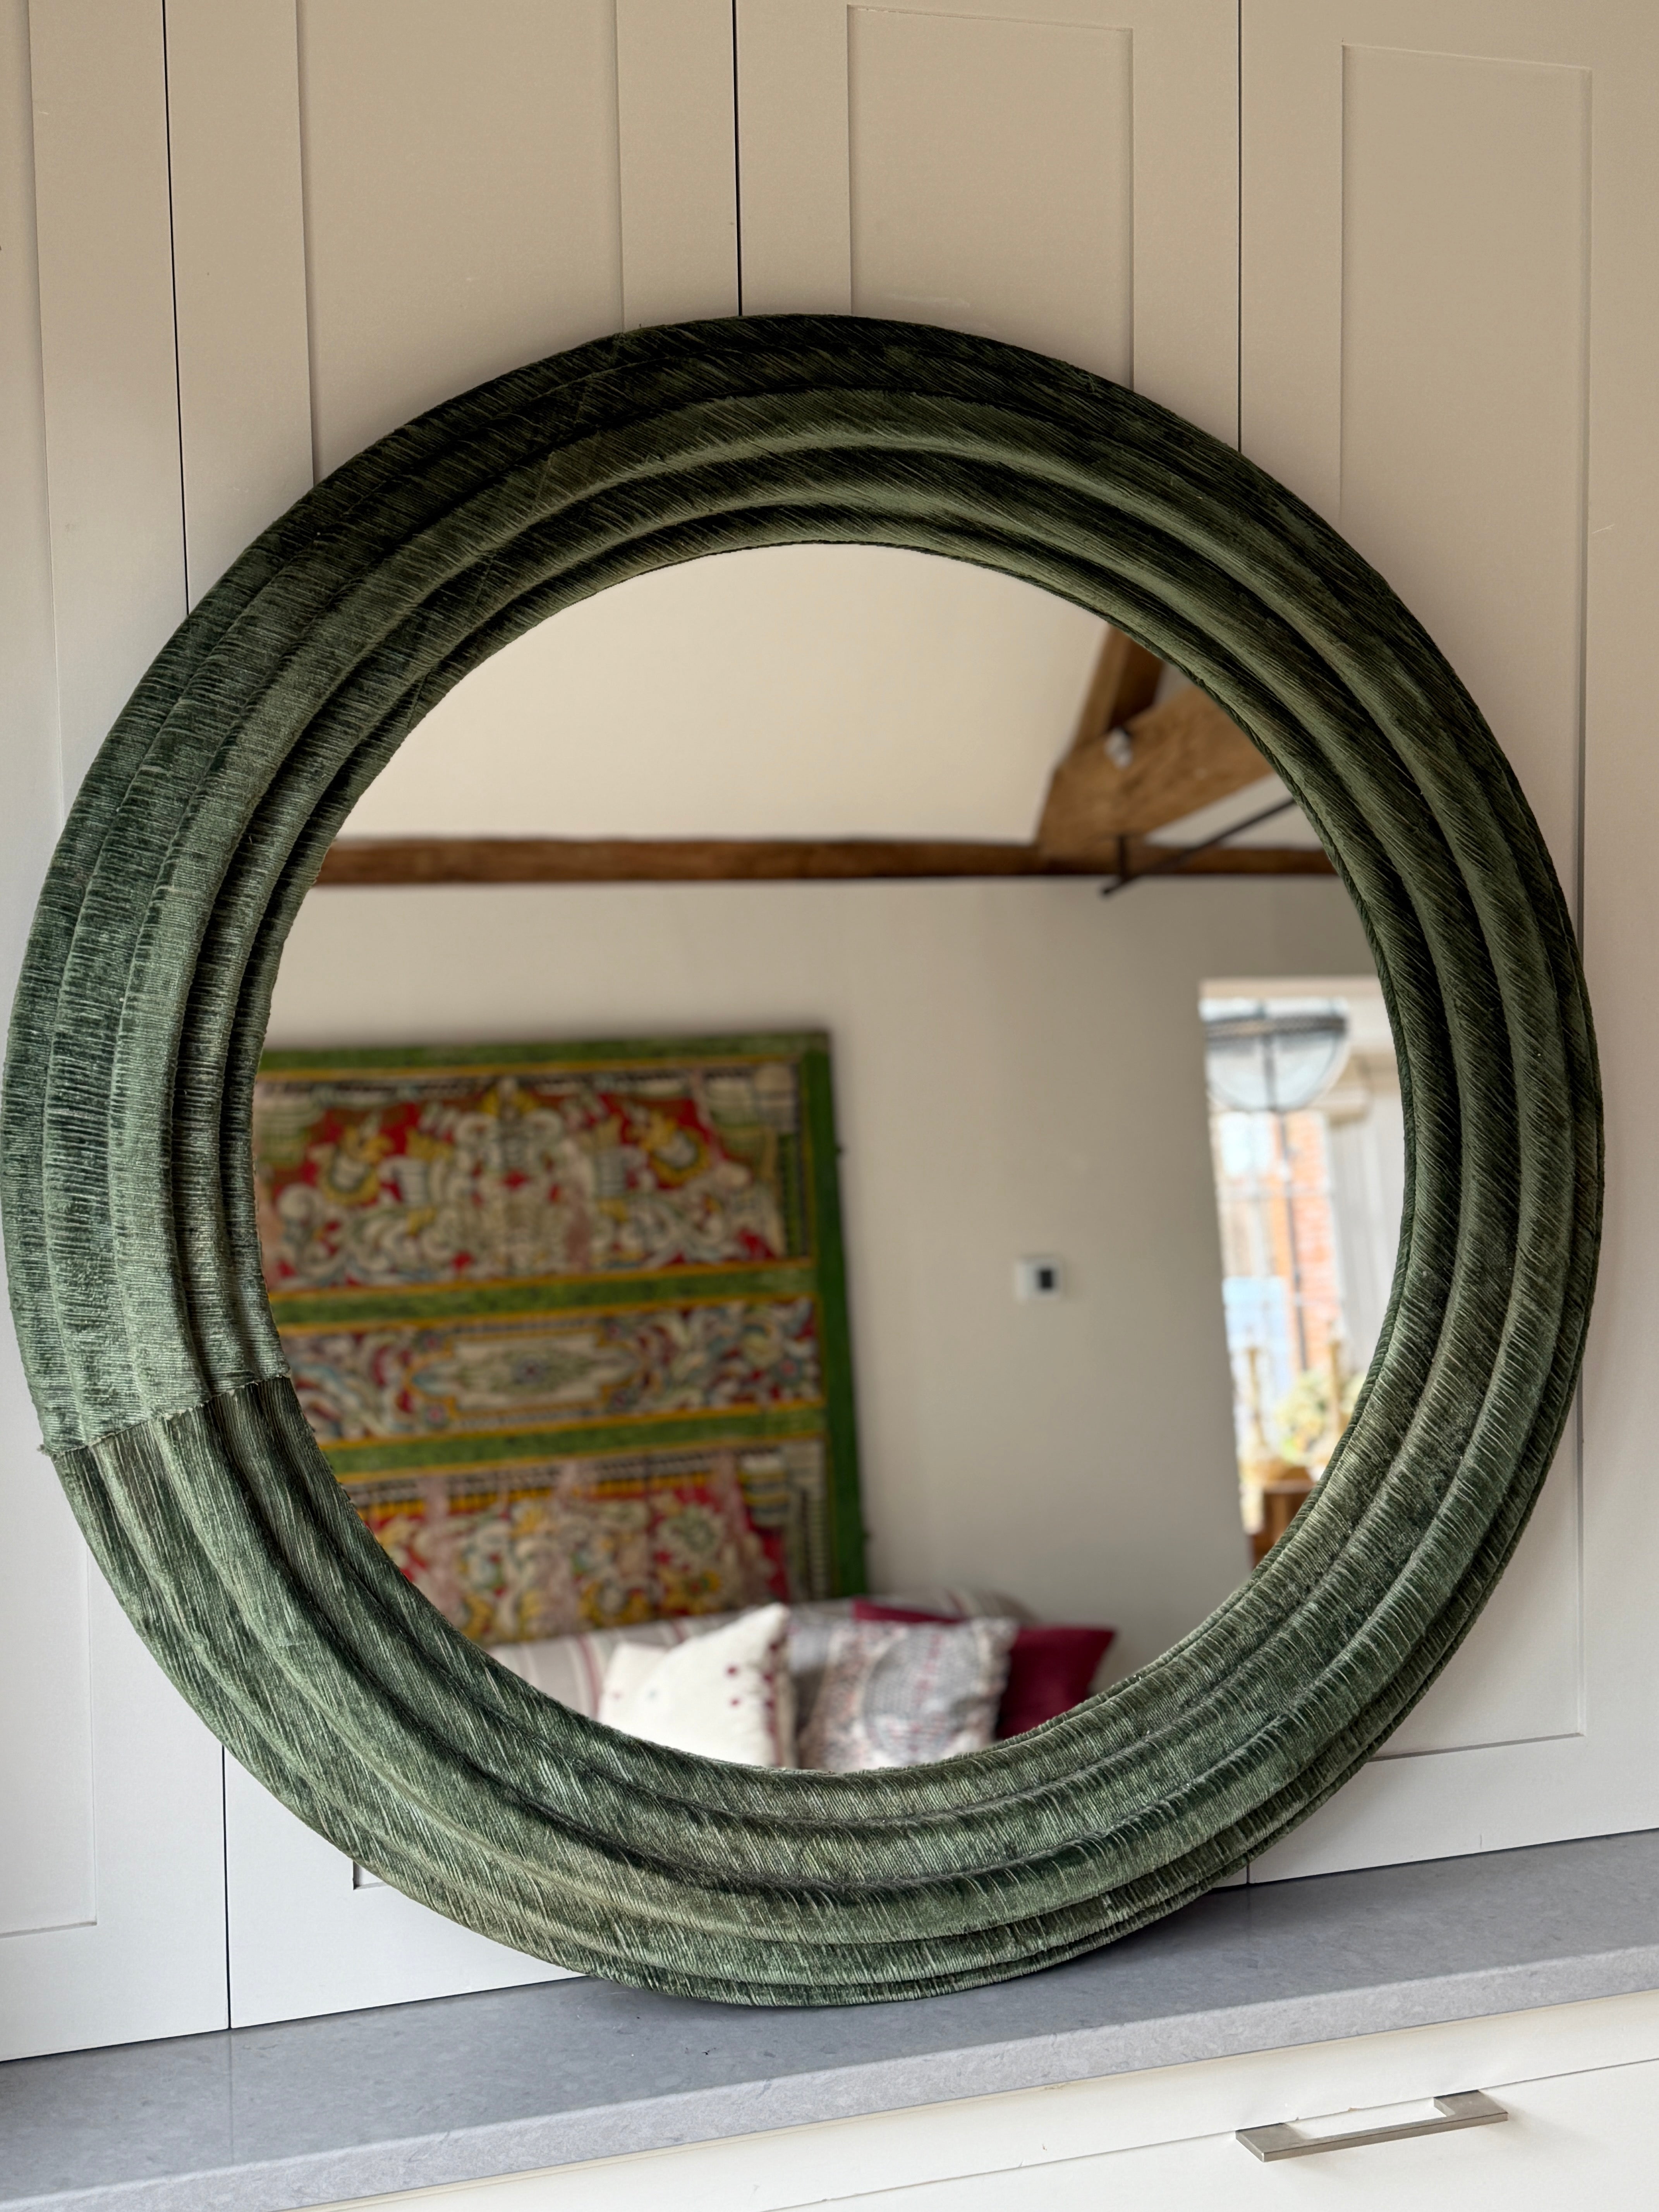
(726, 1695)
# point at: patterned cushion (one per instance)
(727, 1695)
(894, 1695)
(571, 1668)
(1050, 1669)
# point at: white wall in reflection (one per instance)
(795, 691)
(1019, 1068)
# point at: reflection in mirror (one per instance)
(1308, 1136)
(830, 1319)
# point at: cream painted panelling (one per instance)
(461, 198)
(677, 124)
(1448, 321)
(966, 135)
(111, 1899)
(239, 272)
(47, 1877)
(1465, 345)
(106, 346)
(1416, 342)
(1063, 178)
(377, 203)
(310, 1933)
(138, 1949)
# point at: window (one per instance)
(1307, 1140)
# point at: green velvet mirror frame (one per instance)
(135, 1265)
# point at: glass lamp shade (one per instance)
(1272, 1055)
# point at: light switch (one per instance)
(1037, 1278)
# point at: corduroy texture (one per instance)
(135, 1267)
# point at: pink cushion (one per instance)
(1049, 1668)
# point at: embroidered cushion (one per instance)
(895, 1694)
(1050, 1669)
(572, 1668)
(726, 1695)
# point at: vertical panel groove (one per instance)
(173, 271)
(307, 229)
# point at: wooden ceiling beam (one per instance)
(1179, 757)
(1099, 811)
(1124, 684)
(391, 861)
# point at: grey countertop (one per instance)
(261, 2119)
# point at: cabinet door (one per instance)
(1577, 2132)
(310, 1933)
(1447, 315)
(1062, 178)
(112, 1889)
(377, 203)
(267, 234)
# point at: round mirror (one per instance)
(243, 1548)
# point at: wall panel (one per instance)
(992, 180)
(1446, 310)
(111, 1899)
(461, 198)
(676, 153)
(107, 338)
(1065, 179)
(46, 1868)
(311, 1933)
(238, 276)
(1465, 336)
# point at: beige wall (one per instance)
(790, 691)
(1019, 1070)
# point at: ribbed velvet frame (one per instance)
(135, 1265)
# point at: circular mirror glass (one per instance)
(839, 1317)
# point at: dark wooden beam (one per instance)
(1146, 858)
(404, 860)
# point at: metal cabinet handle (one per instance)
(1468, 2108)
